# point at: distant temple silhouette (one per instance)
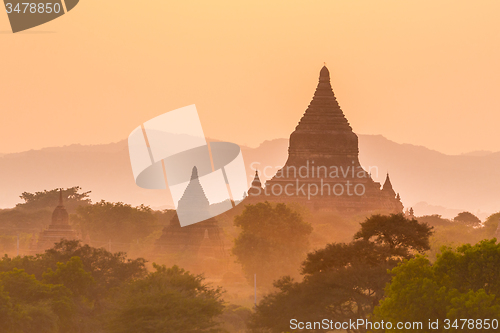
(58, 229)
(201, 239)
(323, 170)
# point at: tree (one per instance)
(491, 225)
(273, 241)
(108, 270)
(460, 284)
(434, 220)
(68, 288)
(38, 307)
(50, 199)
(467, 218)
(167, 300)
(71, 275)
(118, 222)
(343, 282)
(36, 210)
(403, 236)
(9, 317)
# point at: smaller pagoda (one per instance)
(256, 188)
(202, 239)
(58, 229)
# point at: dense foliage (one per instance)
(118, 222)
(273, 241)
(50, 199)
(36, 211)
(78, 288)
(343, 281)
(467, 218)
(462, 283)
(169, 300)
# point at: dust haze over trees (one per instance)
(118, 222)
(273, 241)
(461, 284)
(77, 288)
(99, 222)
(167, 300)
(343, 281)
(65, 289)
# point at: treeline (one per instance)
(393, 269)
(77, 288)
(383, 274)
(102, 223)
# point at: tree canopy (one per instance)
(343, 281)
(108, 270)
(462, 283)
(273, 241)
(403, 236)
(36, 210)
(118, 222)
(434, 220)
(50, 199)
(78, 288)
(168, 300)
(467, 218)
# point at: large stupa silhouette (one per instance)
(323, 170)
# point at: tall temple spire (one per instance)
(325, 105)
(324, 75)
(323, 129)
(323, 144)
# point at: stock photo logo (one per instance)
(204, 179)
(27, 14)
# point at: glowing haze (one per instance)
(423, 72)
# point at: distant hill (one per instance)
(422, 176)
(478, 153)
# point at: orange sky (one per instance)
(422, 72)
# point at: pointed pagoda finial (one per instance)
(256, 188)
(194, 174)
(256, 180)
(60, 197)
(387, 188)
(324, 74)
(60, 215)
(387, 184)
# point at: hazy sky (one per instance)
(424, 72)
